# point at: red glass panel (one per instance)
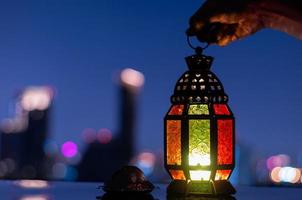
(177, 174)
(222, 174)
(173, 142)
(221, 109)
(176, 110)
(225, 142)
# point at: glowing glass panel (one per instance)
(177, 174)
(198, 175)
(198, 109)
(221, 109)
(222, 174)
(176, 110)
(225, 142)
(199, 142)
(173, 142)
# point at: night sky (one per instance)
(79, 46)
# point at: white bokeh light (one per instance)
(36, 98)
(132, 78)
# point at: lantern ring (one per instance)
(197, 49)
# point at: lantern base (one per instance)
(207, 188)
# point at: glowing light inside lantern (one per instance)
(200, 175)
(199, 142)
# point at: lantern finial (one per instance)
(198, 62)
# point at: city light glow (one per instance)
(104, 136)
(132, 78)
(69, 149)
(36, 98)
(275, 175)
(34, 197)
(289, 174)
(280, 160)
(89, 135)
(32, 184)
(286, 175)
(14, 125)
(146, 162)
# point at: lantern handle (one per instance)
(197, 49)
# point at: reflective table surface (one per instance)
(41, 190)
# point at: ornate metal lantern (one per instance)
(199, 132)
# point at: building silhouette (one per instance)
(23, 136)
(101, 160)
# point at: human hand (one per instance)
(224, 21)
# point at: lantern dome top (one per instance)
(199, 84)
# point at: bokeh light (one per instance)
(36, 98)
(69, 149)
(32, 184)
(132, 78)
(13, 125)
(297, 177)
(275, 175)
(277, 161)
(50, 147)
(146, 162)
(34, 197)
(104, 136)
(59, 170)
(89, 135)
(289, 174)
(65, 172)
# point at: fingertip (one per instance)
(194, 28)
(225, 40)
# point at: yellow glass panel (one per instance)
(198, 175)
(199, 142)
(173, 142)
(199, 109)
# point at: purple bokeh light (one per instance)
(69, 149)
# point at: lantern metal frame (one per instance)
(208, 92)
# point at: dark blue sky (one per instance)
(78, 45)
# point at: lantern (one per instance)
(199, 132)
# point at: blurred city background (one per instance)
(85, 84)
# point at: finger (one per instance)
(213, 33)
(227, 18)
(248, 28)
(226, 39)
(195, 28)
(202, 15)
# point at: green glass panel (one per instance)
(198, 109)
(200, 187)
(199, 142)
